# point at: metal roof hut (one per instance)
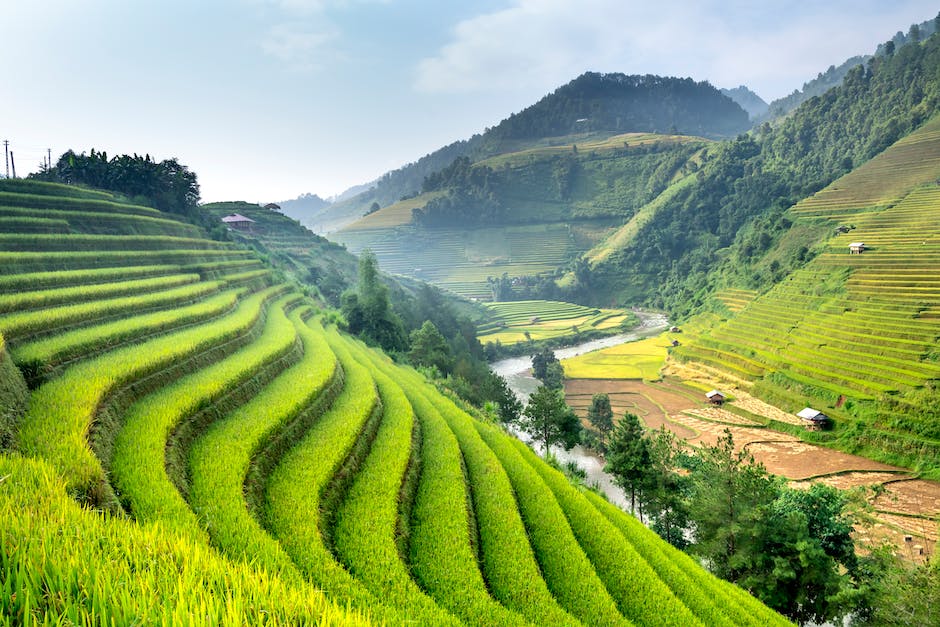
(813, 418)
(857, 248)
(715, 397)
(272, 206)
(238, 221)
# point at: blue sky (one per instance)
(268, 99)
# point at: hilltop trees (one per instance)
(167, 185)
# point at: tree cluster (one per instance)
(793, 549)
(166, 185)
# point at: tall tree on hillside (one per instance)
(628, 457)
(429, 348)
(368, 313)
(549, 420)
(730, 493)
(601, 415)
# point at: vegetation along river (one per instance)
(517, 372)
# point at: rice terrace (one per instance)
(631, 349)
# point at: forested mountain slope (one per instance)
(594, 104)
(722, 225)
(198, 443)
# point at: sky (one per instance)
(268, 99)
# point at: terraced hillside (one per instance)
(294, 249)
(195, 446)
(461, 260)
(854, 334)
(518, 321)
(543, 204)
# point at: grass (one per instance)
(642, 359)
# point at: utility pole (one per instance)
(6, 151)
(12, 161)
(48, 158)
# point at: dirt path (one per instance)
(906, 509)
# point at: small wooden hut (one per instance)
(238, 222)
(813, 418)
(857, 248)
(715, 397)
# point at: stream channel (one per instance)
(517, 372)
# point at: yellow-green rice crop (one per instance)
(364, 534)
(21, 262)
(137, 466)
(219, 460)
(62, 411)
(295, 487)
(51, 351)
(24, 300)
(23, 323)
(508, 562)
(61, 564)
(33, 242)
(640, 594)
(642, 359)
(440, 553)
(567, 570)
(45, 280)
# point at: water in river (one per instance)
(516, 371)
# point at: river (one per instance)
(516, 371)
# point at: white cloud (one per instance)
(544, 43)
(299, 46)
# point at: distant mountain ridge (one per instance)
(748, 100)
(592, 103)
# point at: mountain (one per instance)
(823, 82)
(305, 208)
(748, 100)
(592, 104)
(618, 103)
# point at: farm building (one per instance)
(715, 397)
(272, 206)
(675, 330)
(813, 418)
(675, 342)
(857, 248)
(238, 221)
(842, 229)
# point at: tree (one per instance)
(601, 416)
(729, 493)
(666, 490)
(368, 313)
(429, 348)
(541, 361)
(804, 557)
(549, 420)
(554, 376)
(495, 389)
(628, 457)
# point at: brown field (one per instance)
(904, 507)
